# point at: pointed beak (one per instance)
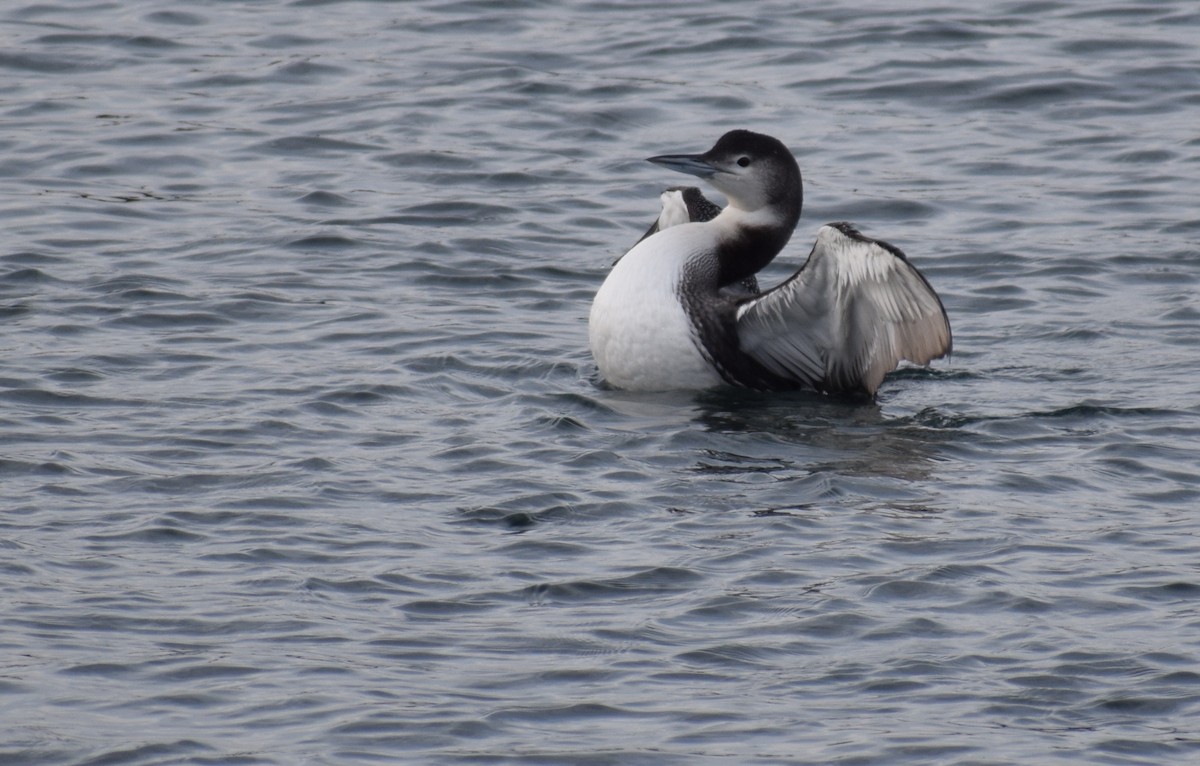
(692, 164)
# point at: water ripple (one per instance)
(305, 458)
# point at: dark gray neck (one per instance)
(747, 249)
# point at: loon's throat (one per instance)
(748, 243)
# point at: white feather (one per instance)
(640, 335)
(674, 209)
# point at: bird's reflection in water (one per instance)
(816, 433)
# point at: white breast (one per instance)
(641, 338)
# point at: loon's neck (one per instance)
(749, 240)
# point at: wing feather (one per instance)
(849, 315)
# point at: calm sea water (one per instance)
(303, 458)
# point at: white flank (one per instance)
(641, 338)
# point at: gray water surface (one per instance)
(303, 458)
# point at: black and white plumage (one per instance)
(665, 318)
(687, 204)
(682, 204)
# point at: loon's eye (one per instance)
(743, 162)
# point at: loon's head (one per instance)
(753, 170)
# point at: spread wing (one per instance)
(847, 317)
(682, 204)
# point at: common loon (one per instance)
(665, 317)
